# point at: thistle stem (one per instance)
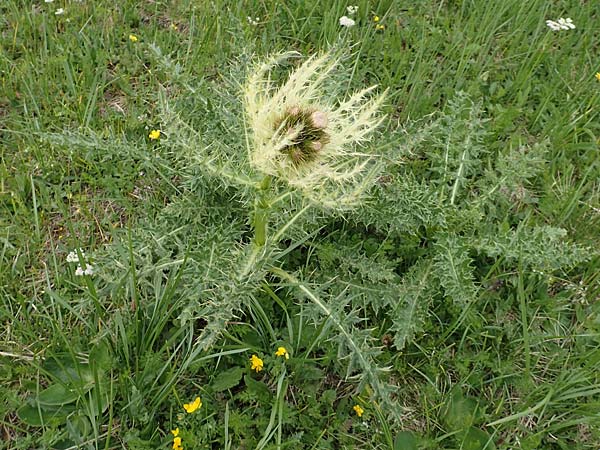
(261, 212)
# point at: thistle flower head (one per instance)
(302, 135)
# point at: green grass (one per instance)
(458, 306)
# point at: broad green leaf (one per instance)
(258, 388)
(476, 439)
(405, 440)
(37, 417)
(460, 412)
(78, 427)
(531, 442)
(57, 395)
(99, 398)
(65, 369)
(100, 357)
(228, 379)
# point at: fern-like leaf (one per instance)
(415, 295)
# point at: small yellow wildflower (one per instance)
(191, 407)
(133, 38)
(174, 27)
(154, 134)
(597, 76)
(380, 27)
(281, 351)
(177, 443)
(175, 432)
(376, 19)
(358, 410)
(256, 363)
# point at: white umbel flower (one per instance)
(301, 135)
(347, 22)
(74, 257)
(561, 24)
(89, 270)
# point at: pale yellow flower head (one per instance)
(302, 135)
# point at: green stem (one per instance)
(261, 212)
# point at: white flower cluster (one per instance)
(561, 24)
(347, 22)
(73, 257)
(89, 270)
(59, 11)
(254, 21)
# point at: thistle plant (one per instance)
(300, 134)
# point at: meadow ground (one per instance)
(158, 291)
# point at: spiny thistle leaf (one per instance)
(453, 267)
(369, 281)
(224, 297)
(355, 344)
(541, 248)
(415, 295)
(350, 260)
(517, 167)
(456, 145)
(511, 182)
(401, 204)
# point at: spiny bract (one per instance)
(303, 136)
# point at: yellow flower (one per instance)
(597, 76)
(281, 351)
(191, 407)
(376, 19)
(175, 431)
(379, 27)
(358, 410)
(177, 443)
(133, 38)
(154, 134)
(257, 363)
